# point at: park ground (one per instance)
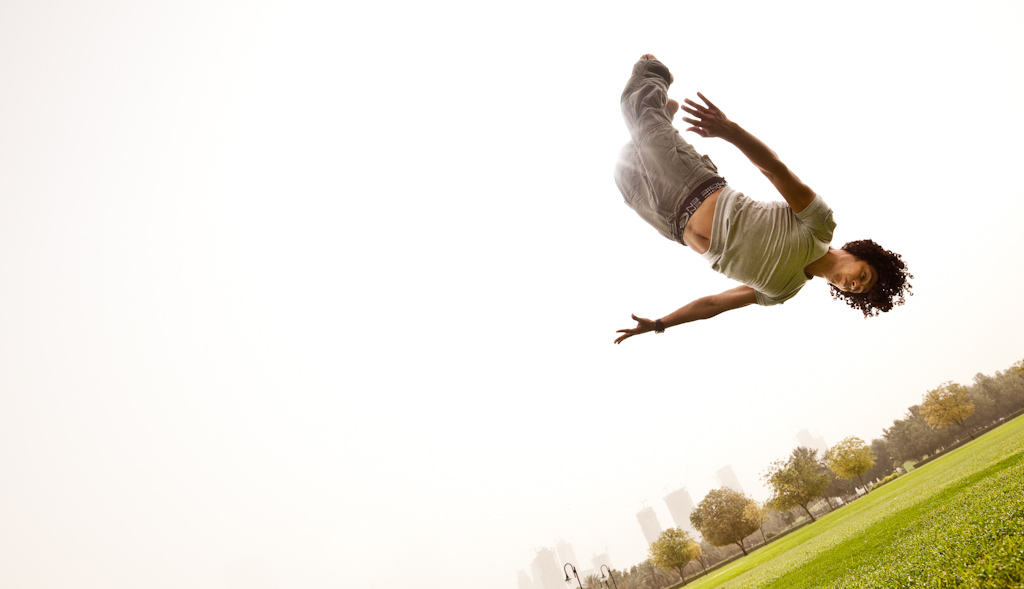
(955, 522)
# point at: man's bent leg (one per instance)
(672, 165)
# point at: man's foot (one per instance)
(671, 78)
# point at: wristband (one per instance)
(659, 327)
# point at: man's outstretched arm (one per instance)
(702, 308)
(712, 122)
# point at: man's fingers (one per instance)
(706, 101)
(700, 107)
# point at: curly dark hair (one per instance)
(890, 289)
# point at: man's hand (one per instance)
(710, 121)
(642, 326)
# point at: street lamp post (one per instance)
(603, 567)
(567, 579)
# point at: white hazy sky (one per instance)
(315, 294)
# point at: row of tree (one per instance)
(988, 399)
(727, 517)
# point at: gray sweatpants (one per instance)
(658, 169)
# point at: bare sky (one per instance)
(309, 294)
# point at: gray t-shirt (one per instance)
(765, 245)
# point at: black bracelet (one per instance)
(659, 327)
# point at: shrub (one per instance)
(887, 479)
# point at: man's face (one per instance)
(857, 276)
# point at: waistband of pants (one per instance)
(697, 197)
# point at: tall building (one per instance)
(805, 439)
(545, 570)
(680, 505)
(649, 524)
(566, 553)
(727, 478)
(600, 559)
(524, 581)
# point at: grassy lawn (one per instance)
(955, 522)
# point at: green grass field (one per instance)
(955, 522)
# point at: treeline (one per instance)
(805, 483)
(988, 400)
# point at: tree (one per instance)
(985, 395)
(674, 549)
(719, 518)
(1017, 367)
(884, 462)
(838, 487)
(948, 404)
(622, 579)
(1010, 386)
(756, 514)
(910, 438)
(796, 481)
(651, 576)
(626, 579)
(850, 458)
(709, 555)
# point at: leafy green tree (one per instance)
(652, 577)
(838, 486)
(756, 514)
(592, 582)
(985, 394)
(884, 462)
(626, 579)
(948, 404)
(719, 518)
(674, 549)
(622, 579)
(709, 555)
(1011, 387)
(850, 458)
(911, 438)
(1018, 367)
(797, 481)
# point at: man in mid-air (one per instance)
(773, 248)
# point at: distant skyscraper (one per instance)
(600, 559)
(805, 439)
(680, 506)
(545, 570)
(649, 524)
(566, 554)
(524, 581)
(727, 478)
